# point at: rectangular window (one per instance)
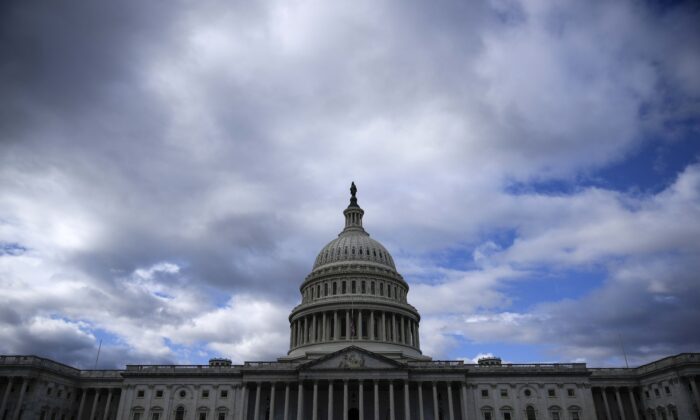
(485, 393)
(353, 286)
(487, 415)
(203, 416)
(335, 288)
(551, 393)
(364, 287)
(506, 416)
(325, 289)
(224, 393)
(205, 393)
(137, 416)
(555, 415)
(159, 393)
(381, 289)
(575, 416)
(48, 391)
(656, 392)
(59, 393)
(504, 392)
(646, 393)
(156, 416)
(140, 393)
(371, 288)
(667, 389)
(222, 416)
(570, 392)
(344, 289)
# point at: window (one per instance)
(388, 291)
(325, 289)
(59, 393)
(571, 392)
(335, 288)
(137, 416)
(159, 393)
(353, 286)
(555, 415)
(487, 415)
(224, 393)
(203, 415)
(205, 393)
(485, 393)
(506, 415)
(646, 393)
(48, 391)
(371, 288)
(656, 392)
(530, 413)
(182, 395)
(504, 392)
(381, 289)
(180, 412)
(140, 393)
(222, 416)
(575, 415)
(551, 393)
(527, 392)
(667, 389)
(156, 416)
(343, 288)
(364, 287)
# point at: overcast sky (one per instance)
(169, 171)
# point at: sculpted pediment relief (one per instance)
(352, 358)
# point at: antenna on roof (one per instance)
(624, 353)
(98, 353)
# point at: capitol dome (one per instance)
(354, 296)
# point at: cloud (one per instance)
(166, 168)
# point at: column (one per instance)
(330, 400)
(122, 402)
(345, 400)
(619, 403)
(313, 328)
(393, 327)
(406, 401)
(22, 390)
(300, 401)
(383, 326)
(82, 404)
(607, 406)
(376, 400)
(435, 401)
(109, 401)
(258, 390)
(417, 335)
(630, 392)
(347, 328)
(391, 401)
(286, 401)
(291, 336)
(315, 404)
(336, 332)
(463, 400)
(421, 416)
(272, 401)
(361, 400)
(403, 330)
(94, 404)
(449, 401)
(5, 395)
(371, 326)
(359, 325)
(694, 388)
(244, 401)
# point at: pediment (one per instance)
(352, 358)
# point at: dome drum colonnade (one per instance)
(354, 295)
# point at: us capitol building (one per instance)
(354, 354)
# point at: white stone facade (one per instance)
(354, 354)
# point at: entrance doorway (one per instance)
(353, 414)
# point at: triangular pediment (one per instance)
(352, 358)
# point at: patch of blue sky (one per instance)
(508, 352)
(12, 249)
(552, 285)
(646, 170)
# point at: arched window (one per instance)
(530, 413)
(180, 413)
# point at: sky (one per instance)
(170, 170)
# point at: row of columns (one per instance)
(382, 326)
(372, 288)
(618, 399)
(300, 414)
(23, 386)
